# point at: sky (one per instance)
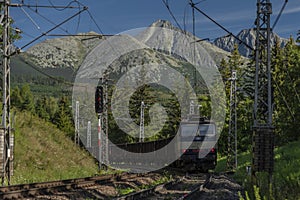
(116, 16)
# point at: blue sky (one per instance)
(115, 16)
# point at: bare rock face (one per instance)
(215, 52)
(248, 36)
(66, 52)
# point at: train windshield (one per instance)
(188, 130)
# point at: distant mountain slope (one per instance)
(147, 36)
(70, 51)
(249, 36)
(62, 52)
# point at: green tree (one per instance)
(41, 108)
(23, 98)
(63, 117)
(16, 99)
(286, 81)
(27, 98)
(245, 84)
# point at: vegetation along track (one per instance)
(182, 187)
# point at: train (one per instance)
(196, 144)
(202, 153)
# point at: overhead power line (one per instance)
(56, 26)
(279, 15)
(60, 8)
(166, 2)
(48, 20)
(222, 27)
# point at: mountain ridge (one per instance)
(228, 42)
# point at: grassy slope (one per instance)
(43, 153)
(286, 173)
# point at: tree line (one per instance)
(286, 109)
(285, 64)
(55, 110)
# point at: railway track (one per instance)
(180, 186)
(51, 188)
(179, 189)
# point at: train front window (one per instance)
(189, 130)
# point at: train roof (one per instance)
(197, 119)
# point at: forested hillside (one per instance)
(286, 87)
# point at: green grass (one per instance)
(286, 177)
(44, 153)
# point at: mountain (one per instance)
(247, 35)
(63, 56)
(65, 52)
(160, 43)
(214, 52)
(70, 51)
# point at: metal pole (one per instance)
(142, 130)
(89, 135)
(263, 130)
(106, 117)
(232, 130)
(7, 138)
(99, 140)
(76, 139)
(234, 76)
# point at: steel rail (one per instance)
(32, 189)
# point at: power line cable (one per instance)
(48, 20)
(222, 27)
(166, 2)
(279, 15)
(31, 19)
(53, 28)
(95, 22)
(65, 7)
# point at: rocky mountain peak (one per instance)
(228, 42)
(162, 23)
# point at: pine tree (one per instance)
(27, 98)
(286, 82)
(63, 117)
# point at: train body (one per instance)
(202, 153)
(196, 143)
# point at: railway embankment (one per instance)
(44, 153)
(286, 176)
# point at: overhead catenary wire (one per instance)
(279, 15)
(31, 19)
(53, 28)
(62, 8)
(166, 2)
(48, 20)
(36, 6)
(222, 27)
(45, 34)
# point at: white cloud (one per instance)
(292, 10)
